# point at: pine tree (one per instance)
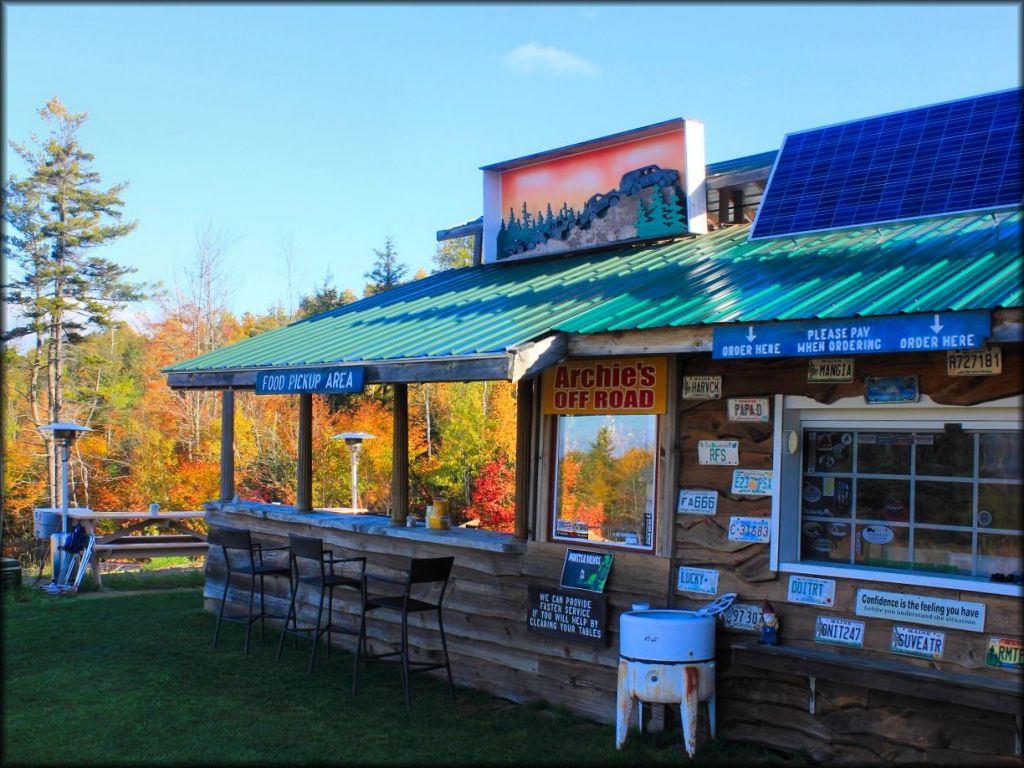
(324, 299)
(387, 273)
(672, 215)
(56, 216)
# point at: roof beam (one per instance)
(653, 341)
(483, 368)
(534, 356)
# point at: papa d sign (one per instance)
(292, 381)
(748, 409)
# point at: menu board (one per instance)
(568, 614)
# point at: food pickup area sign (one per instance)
(857, 335)
(292, 381)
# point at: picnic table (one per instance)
(128, 542)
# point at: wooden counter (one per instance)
(485, 608)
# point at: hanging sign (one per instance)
(748, 409)
(702, 580)
(923, 643)
(922, 609)
(569, 616)
(702, 387)
(718, 452)
(837, 370)
(845, 632)
(812, 591)
(752, 482)
(855, 335)
(891, 389)
(293, 381)
(756, 529)
(743, 616)
(1006, 652)
(621, 385)
(986, 361)
(694, 502)
(585, 570)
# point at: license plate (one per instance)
(987, 361)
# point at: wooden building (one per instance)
(829, 421)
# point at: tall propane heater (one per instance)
(354, 441)
(64, 433)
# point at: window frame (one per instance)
(800, 413)
(552, 510)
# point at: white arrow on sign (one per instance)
(751, 335)
(936, 326)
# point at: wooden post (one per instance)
(524, 420)
(227, 445)
(304, 463)
(400, 455)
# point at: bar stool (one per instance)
(325, 579)
(248, 562)
(423, 570)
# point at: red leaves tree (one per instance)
(493, 501)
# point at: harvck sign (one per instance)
(853, 336)
(294, 381)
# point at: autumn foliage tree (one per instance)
(56, 216)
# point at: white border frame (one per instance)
(1005, 412)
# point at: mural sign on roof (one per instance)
(635, 186)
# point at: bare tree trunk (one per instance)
(426, 408)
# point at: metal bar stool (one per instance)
(325, 579)
(424, 570)
(248, 561)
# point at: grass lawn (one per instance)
(131, 678)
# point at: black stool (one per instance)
(325, 579)
(424, 570)
(248, 562)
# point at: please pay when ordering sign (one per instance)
(618, 385)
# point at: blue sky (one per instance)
(334, 126)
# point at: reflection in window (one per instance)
(932, 501)
(605, 479)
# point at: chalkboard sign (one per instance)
(569, 615)
(586, 570)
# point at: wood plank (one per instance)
(475, 368)
(969, 690)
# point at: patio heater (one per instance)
(354, 441)
(65, 434)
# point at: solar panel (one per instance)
(955, 157)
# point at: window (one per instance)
(921, 499)
(605, 479)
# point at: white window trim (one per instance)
(1006, 413)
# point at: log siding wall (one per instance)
(849, 724)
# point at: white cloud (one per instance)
(534, 57)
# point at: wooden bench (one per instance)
(978, 691)
(163, 545)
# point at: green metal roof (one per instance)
(950, 263)
(740, 164)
